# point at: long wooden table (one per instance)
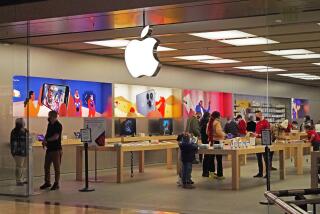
(170, 147)
(237, 153)
(298, 148)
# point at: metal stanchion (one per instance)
(86, 188)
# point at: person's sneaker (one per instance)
(55, 186)
(19, 183)
(206, 175)
(274, 169)
(191, 182)
(258, 175)
(195, 162)
(212, 175)
(220, 178)
(187, 186)
(45, 186)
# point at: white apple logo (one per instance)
(141, 56)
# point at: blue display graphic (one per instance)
(70, 98)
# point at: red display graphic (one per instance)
(204, 101)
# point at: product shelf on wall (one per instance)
(274, 113)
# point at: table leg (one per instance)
(295, 156)
(119, 165)
(169, 158)
(299, 158)
(235, 171)
(79, 159)
(141, 161)
(282, 161)
(243, 160)
(314, 169)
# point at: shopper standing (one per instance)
(18, 143)
(207, 159)
(231, 127)
(251, 125)
(307, 121)
(242, 126)
(188, 149)
(262, 124)
(193, 127)
(54, 150)
(215, 135)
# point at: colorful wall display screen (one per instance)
(300, 108)
(204, 101)
(146, 101)
(70, 98)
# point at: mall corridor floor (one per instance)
(156, 191)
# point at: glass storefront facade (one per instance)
(31, 49)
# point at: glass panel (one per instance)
(296, 79)
(13, 138)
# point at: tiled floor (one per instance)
(156, 189)
(20, 207)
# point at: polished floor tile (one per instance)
(20, 207)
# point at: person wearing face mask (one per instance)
(18, 143)
(262, 124)
(295, 125)
(53, 146)
(231, 127)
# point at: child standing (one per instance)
(188, 148)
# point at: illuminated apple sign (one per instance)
(141, 55)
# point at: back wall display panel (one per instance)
(300, 108)
(147, 101)
(206, 101)
(70, 98)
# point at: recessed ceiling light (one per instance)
(303, 56)
(289, 52)
(317, 63)
(227, 34)
(115, 43)
(252, 67)
(249, 41)
(260, 68)
(269, 70)
(219, 61)
(197, 57)
(161, 48)
(303, 76)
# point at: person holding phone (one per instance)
(52, 143)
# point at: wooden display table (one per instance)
(147, 138)
(298, 148)
(237, 153)
(68, 142)
(130, 147)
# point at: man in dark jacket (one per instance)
(188, 149)
(231, 127)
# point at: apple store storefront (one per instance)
(174, 107)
